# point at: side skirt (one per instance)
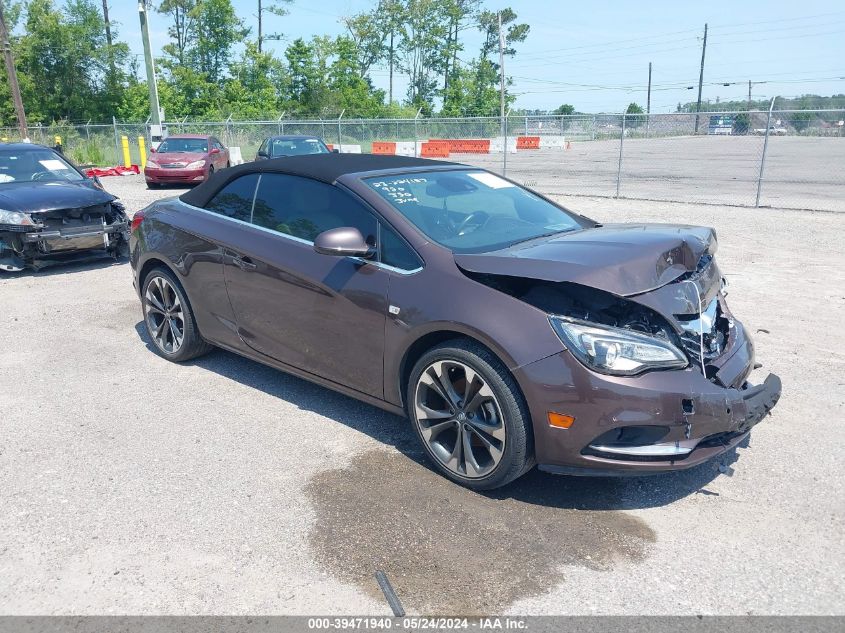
(323, 382)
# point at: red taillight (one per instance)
(137, 219)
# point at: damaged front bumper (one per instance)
(658, 421)
(56, 242)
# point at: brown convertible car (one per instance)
(511, 331)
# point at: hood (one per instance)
(624, 259)
(39, 197)
(177, 157)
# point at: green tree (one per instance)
(181, 29)
(307, 77)
(369, 33)
(801, 120)
(64, 63)
(742, 123)
(422, 50)
(217, 29)
(482, 91)
(636, 120)
(348, 89)
(458, 12)
(488, 24)
(565, 109)
(258, 85)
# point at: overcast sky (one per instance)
(594, 55)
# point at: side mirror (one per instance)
(335, 151)
(214, 150)
(152, 150)
(344, 241)
(263, 155)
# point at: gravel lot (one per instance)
(130, 485)
(800, 172)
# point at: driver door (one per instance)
(316, 312)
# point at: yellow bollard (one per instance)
(143, 148)
(127, 161)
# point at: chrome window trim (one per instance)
(293, 238)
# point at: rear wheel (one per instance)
(210, 171)
(470, 415)
(169, 319)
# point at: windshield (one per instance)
(35, 165)
(297, 147)
(471, 211)
(183, 145)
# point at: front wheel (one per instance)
(169, 319)
(470, 415)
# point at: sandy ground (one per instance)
(130, 485)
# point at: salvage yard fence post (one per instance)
(116, 140)
(619, 166)
(765, 148)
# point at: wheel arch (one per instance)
(152, 262)
(427, 340)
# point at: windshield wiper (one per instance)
(544, 235)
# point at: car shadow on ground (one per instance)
(538, 488)
(66, 268)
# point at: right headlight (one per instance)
(15, 218)
(153, 165)
(616, 351)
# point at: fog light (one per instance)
(560, 421)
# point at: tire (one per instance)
(210, 173)
(165, 305)
(153, 185)
(228, 164)
(495, 421)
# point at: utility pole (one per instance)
(701, 78)
(501, 72)
(107, 24)
(648, 104)
(260, 37)
(749, 94)
(14, 88)
(155, 116)
(390, 97)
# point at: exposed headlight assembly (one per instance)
(197, 164)
(616, 351)
(15, 218)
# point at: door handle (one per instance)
(244, 262)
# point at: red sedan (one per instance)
(185, 159)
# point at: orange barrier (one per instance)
(466, 145)
(384, 147)
(527, 142)
(330, 146)
(435, 149)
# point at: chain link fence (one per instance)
(782, 158)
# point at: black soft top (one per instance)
(324, 167)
